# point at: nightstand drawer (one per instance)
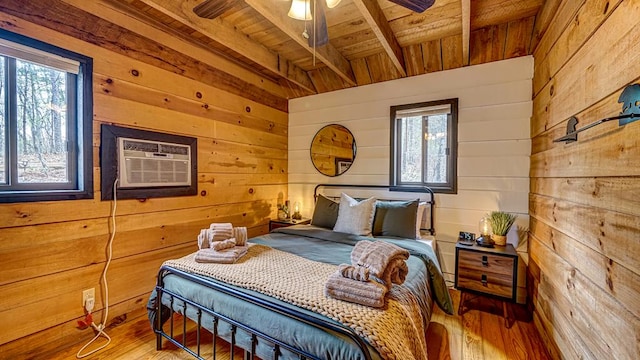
(486, 282)
(485, 262)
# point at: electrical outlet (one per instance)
(88, 295)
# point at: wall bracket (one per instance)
(630, 99)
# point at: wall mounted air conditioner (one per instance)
(143, 163)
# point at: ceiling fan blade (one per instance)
(319, 26)
(415, 5)
(211, 9)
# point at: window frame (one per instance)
(451, 186)
(79, 129)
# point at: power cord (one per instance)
(100, 327)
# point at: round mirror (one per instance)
(333, 150)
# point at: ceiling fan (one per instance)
(303, 10)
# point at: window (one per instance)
(424, 145)
(45, 121)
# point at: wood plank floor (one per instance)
(477, 335)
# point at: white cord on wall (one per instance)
(100, 327)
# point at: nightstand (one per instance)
(274, 224)
(491, 272)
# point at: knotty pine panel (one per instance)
(619, 281)
(611, 233)
(585, 21)
(40, 345)
(607, 62)
(584, 222)
(487, 44)
(518, 37)
(432, 55)
(50, 254)
(413, 59)
(543, 20)
(361, 71)
(452, 52)
(608, 330)
(130, 91)
(615, 153)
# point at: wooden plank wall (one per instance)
(486, 44)
(585, 223)
(493, 164)
(51, 251)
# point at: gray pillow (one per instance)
(355, 217)
(396, 218)
(325, 213)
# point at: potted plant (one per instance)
(501, 222)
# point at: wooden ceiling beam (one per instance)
(217, 30)
(276, 12)
(466, 30)
(374, 16)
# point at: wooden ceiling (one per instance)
(369, 40)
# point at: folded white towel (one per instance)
(228, 256)
(220, 231)
(240, 234)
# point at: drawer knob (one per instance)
(484, 280)
(485, 261)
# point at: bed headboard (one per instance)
(361, 189)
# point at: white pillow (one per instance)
(422, 208)
(355, 217)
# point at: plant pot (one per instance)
(500, 240)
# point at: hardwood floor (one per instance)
(477, 335)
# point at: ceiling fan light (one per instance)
(332, 3)
(300, 10)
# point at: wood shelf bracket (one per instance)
(630, 99)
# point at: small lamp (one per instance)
(296, 212)
(485, 232)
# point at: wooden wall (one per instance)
(493, 151)
(144, 78)
(585, 221)
(487, 43)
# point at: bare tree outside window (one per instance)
(41, 110)
(424, 144)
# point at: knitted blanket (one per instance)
(396, 332)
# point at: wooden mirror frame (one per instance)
(333, 150)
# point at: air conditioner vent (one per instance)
(145, 163)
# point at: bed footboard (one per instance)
(255, 334)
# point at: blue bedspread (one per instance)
(319, 245)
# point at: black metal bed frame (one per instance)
(256, 335)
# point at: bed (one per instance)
(270, 323)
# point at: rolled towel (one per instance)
(376, 255)
(203, 239)
(224, 244)
(221, 231)
(369, 293)
(240, 234)
(354, 272)
(227, 256)
(395, 273)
